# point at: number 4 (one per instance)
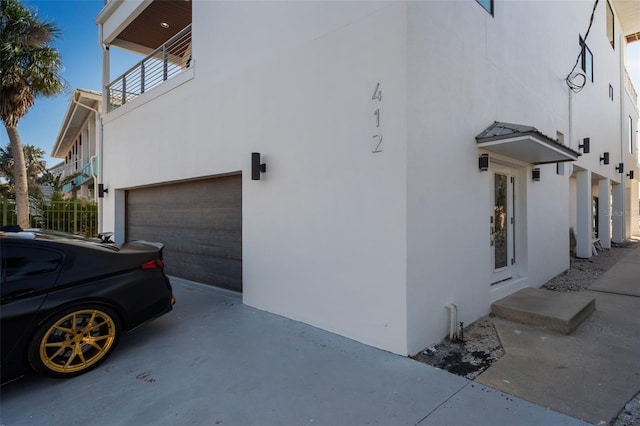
(377, 93)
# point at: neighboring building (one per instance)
(77, 144)
(375, 212)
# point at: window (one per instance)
(611, 31)
(586, 60)
(487, 5)
(27, 262)
(630, 135)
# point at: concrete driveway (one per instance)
(214, 361)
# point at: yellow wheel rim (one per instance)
(77, 341)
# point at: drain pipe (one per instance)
(453, 321)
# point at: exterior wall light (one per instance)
(630, 174)
(256, 167)
(483, 162)
(605, 158)
(102, 190)
(586, 143)
(535, 174)
(620, 168)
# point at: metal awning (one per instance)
(524, 143)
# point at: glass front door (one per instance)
(502, 221)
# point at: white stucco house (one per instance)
(361, 166)
(77, 144)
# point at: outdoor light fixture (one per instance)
(630, 174)
(256, 167)
(620, 168)
(164, 24)
(605, 158)
(102, 190)
(483, 162)
(535, 174)
(585, 145)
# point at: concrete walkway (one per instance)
(214, 361)
(590, 374)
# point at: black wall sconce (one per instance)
(605, 158)
(585, 146)
(620, 168)
(535, 174)
(630, 174)
(102, 190)
(483, 162)
(256, 167)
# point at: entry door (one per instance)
(502, 223)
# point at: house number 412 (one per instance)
(376, 97)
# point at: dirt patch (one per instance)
(469, 357)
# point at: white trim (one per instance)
(152, 94)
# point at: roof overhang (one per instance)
(628, 12)
(524, 143)
(82, 104)
(148, 25)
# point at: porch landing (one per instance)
(561, 312)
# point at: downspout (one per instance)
(622, 132)
(105, 98)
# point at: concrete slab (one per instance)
(622, 278)
(590, 374)
(215, 361)
(562, 312)
(489, 407)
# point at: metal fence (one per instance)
(78, 217)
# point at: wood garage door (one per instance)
(200, 224)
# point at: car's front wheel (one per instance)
(74, 341)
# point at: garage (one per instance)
(200, 224)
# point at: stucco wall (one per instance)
(460, 82)
(373, 246)
(324, 231)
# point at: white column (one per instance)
(584, 225)
(604, 212)
(617, 215)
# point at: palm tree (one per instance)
(29, 68)
(34, 164)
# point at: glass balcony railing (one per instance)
(88, 171)
(165, 62)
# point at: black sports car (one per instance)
(67, 300)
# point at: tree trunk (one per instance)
(20, 177)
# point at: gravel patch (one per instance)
(583, 272)
(480, 346)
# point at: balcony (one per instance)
(86, 174)
(167, 61)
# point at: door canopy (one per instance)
(524, 143)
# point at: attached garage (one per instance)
(200, 224)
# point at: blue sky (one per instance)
(79, 47)
(80, 50)
(81, 57)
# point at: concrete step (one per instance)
(562, 312)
